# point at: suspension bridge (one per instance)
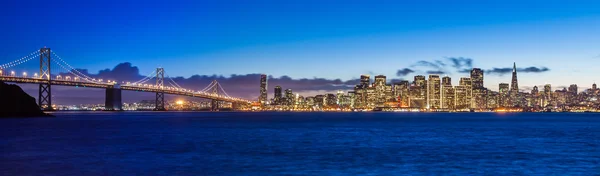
(152, 83)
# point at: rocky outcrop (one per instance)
(14, 102)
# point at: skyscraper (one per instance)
(547, 95)
(277, 95)
(446, 80)
(460, 98)
(477, 78)
(289, 96)
(365, 80)
(504, 95)
(418, 92)
(467, 84)
(514, 84)
(514, 87)
(263, 89)
(434, 92)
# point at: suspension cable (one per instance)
(19, 61)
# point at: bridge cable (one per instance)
(20, 61)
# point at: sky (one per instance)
(554, 42)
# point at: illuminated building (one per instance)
(466, 82)
(434, 92)
(491, 99)
(478, 94)
(572, 94)
(277, 94)
(330, 100)
(263, 89)
(479, 98)
(418, 92)
(401, 92)
(477, 78)
(514, 88)
(365, 80)
(535, 100)
(319, 101)
(503, 97)
(310, 101)
(446, 80)
(448, 97)
(289, 96)
(547, 97)
(360, 97)
(461, 98)
(381, 92)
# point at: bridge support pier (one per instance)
(45, 92)
(160, 96)
(113, 100)
(214, 105)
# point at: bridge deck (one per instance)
(108, 85)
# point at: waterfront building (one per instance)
(434, 92)
(466, 82)
(263, 90)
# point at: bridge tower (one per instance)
(45, 93)
(160, 95)
(214, 105)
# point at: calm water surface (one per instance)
(190, 143)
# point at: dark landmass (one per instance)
(14, 102)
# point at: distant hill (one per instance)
(14, 102)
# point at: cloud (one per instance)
(435, 64)
(436, 72)
(506, 70)
(404, 72)
(461, 63)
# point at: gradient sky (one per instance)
(312, 38)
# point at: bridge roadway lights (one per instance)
(113, 100)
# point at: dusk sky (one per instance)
(308, 39)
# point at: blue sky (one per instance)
(306, 39)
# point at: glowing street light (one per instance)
(0, 72)
(12, 73)
(24, 74)
(35, 75)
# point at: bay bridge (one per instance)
(72, 77)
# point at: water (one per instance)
(179, 143)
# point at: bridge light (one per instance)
(24, 74)
(0, 72)
(35, 75)
(12, 73)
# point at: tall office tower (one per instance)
(514, 87)
(421, 84)
(503, 97)
(446, 80)
(263, 89)
(401, 93)
(365, 80)
(492, 98)
(434, 92)
(535, 97)
(477, 78)
(572, 94)
(383, 91)
(360, 97)
(547, 95)
(289, 96)
(479, 99)
(277, 95)
(448, 97)
(466, 82)
(460, 98)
